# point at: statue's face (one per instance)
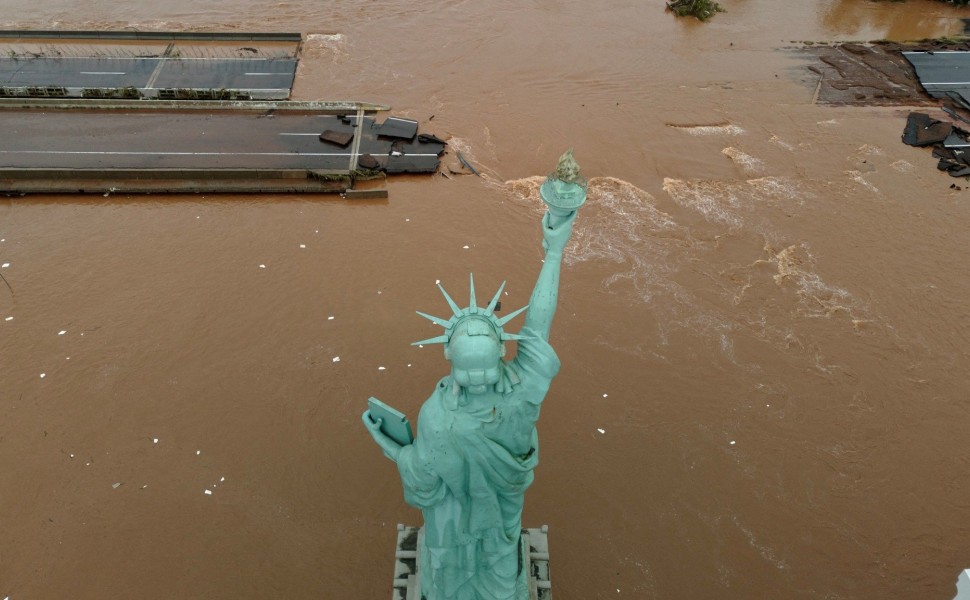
(476, 356)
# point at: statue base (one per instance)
(535, 546)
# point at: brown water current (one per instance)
(763, 320)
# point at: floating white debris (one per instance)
(262, 266)
(9, 319)
(222, 479)
(116, 486)
(420, 345)
(330, 318)
(197, 217)
(465, 247)
(144, 486)
(407, 220)
(437, 281)
(409, 364)
(154, 440)
(316, 231)
(380, 368)
(72, 456)
(4, 265)
(302, 245)
(208, 492)
(336, 359)
(43, 375)
(62, 332)
(733, 442)
(379, 292)
(68, 358)
(198, 452)
(601, 430)
(606, 395)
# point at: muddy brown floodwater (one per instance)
(764, 309)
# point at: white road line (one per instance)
(145, 153)
(102, 72)
(299, 134)
(265, 73)
(151, 58)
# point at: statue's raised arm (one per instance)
(564, 192)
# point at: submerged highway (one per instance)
(172, 139)
(168, 121)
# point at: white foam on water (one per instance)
(774, 139)
(859, 178)
(705, 197)
(869, 150)
(726, 201)
(748, 163)
(638, 248)
(902, 166)
(464, 147)
(318, 45)
(622, 225)
(713, 129)
(817, 298)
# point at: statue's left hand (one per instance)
(391, 448)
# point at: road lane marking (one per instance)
(148, 153)
(102, 72)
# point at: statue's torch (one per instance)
(563, 191)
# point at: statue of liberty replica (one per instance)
(476, 447)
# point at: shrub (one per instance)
(703, 9)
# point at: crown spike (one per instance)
(435, 320)
(441, 339)
(491, 305)
(451, 303)
(472, 301)
(501, 322)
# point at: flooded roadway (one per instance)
(764, 309)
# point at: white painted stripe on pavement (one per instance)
(146, 153)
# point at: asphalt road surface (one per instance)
(262, 77)
(189, 140)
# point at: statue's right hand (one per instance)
(554, 238)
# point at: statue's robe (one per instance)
(468, 470)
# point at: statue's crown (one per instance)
(473, 311)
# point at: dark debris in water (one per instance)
(951, 146)
(923, 130)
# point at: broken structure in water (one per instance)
(131, 112)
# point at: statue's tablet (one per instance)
(395, 425)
